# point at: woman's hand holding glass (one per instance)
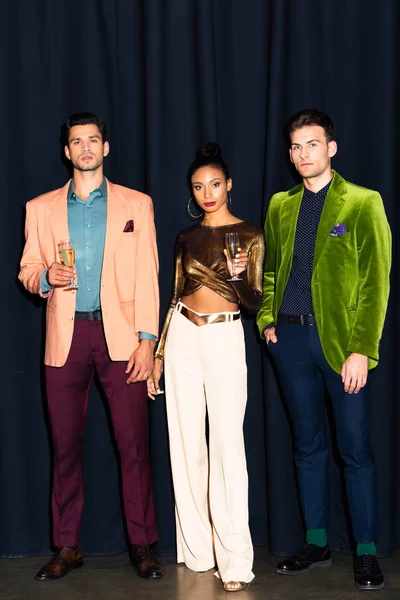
(153, 382)
(241, 260)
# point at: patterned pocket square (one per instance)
(128, 227)
(338, 229)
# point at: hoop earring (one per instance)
(229, 200)
(189, 211)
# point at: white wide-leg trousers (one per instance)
(205, 370)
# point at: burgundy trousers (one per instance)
(68, 390)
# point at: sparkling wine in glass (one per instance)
(232, 244)
(66, 253)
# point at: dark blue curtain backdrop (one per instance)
(165, 74)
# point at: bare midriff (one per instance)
(207, 301)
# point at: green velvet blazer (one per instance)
(350, 278)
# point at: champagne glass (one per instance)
(66, 253)
(232, 244)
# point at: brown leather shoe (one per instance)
(145, 562)
(63, 561)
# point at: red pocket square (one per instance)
(128, 227)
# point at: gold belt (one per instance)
(206, 319)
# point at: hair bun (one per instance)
(208, 150)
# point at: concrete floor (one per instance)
(112, 578)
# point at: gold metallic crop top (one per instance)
(200, 261)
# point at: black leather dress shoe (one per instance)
(308, 556)
(145, 563)
(368, 575)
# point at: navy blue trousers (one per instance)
(303, 371)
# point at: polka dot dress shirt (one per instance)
(297, 298)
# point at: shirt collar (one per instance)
(102, 189)
(321, 194)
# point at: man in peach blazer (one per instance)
(106, 322)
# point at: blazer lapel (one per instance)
(288, 218)
(330, 214)
(58, 216)
(116, 220)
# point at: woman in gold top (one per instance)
(205, 371)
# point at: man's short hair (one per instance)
(307, 117)
(82, 118)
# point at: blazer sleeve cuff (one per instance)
(360, 347)
(264, 321)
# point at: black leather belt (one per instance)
(297, 319)
(94, 315)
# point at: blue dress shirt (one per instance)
(87, 220)
(88, 243)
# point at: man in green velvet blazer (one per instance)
(325, 294)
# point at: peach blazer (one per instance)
(129, 279)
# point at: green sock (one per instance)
(369, 548)
(317, 537)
